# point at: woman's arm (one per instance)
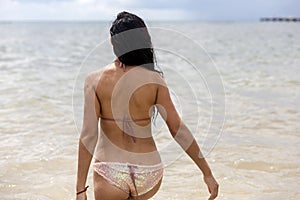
(89, 134)
(183, 137)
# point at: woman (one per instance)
(124, 96)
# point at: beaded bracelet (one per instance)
(82, 191)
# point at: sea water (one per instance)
(254, 138)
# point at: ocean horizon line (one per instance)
(103, 21)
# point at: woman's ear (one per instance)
(110, 40)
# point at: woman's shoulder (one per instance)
(157, 77)
(94, 76)
(103, 70)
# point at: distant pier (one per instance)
(280, 19)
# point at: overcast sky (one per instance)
(212, 10)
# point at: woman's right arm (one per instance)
(184, 137)
(89, 134)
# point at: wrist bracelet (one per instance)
(82, 191)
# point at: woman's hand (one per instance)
(212, 186)
(81, 196)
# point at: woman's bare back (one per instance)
(127, 96)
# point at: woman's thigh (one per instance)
(149, 194)
(103, 190)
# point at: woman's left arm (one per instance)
(89, 134)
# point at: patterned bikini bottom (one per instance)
(131, 178)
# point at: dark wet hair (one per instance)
(132, 42)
